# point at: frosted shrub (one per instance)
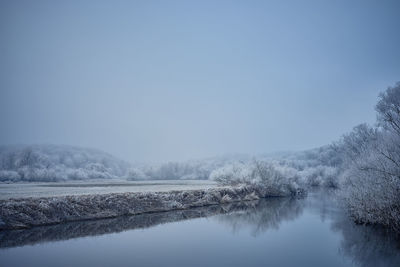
(313, 176)
(263, 175)
(232, 174)
(136, 174)
(331, 177)
(325, 176)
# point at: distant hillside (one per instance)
(57, 163)
(32, 163)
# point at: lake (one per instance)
(311, 231)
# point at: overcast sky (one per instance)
(173, 80)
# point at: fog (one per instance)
(177, 80)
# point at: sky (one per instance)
(177, 80)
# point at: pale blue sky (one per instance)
(172, 80)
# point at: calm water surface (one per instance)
(274, 232)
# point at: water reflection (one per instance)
(364, 245)
(13, 238)
(317, 214)
(367, 245)
(268, 214)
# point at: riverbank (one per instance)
(29, 212)
(76, 229)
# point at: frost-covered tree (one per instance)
(371, 168)
(388, 109)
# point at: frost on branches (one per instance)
(371, 169)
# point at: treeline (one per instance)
(370, 169)
(286, 175)
(57, 163)
(185, 170)
(364, 164)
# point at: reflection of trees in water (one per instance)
(367, 245)
(12, 238)
(324, 203)
(364, 245)
(267, 214)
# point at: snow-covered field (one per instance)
(55, 189)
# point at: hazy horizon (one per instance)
(176, 80)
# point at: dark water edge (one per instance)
(311, 231)
(25, 213)
(70, 230)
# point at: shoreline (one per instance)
(76, 229)
(29, 212)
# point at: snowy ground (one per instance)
(24, 190)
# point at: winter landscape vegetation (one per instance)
(199, 133)
(363, 166)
